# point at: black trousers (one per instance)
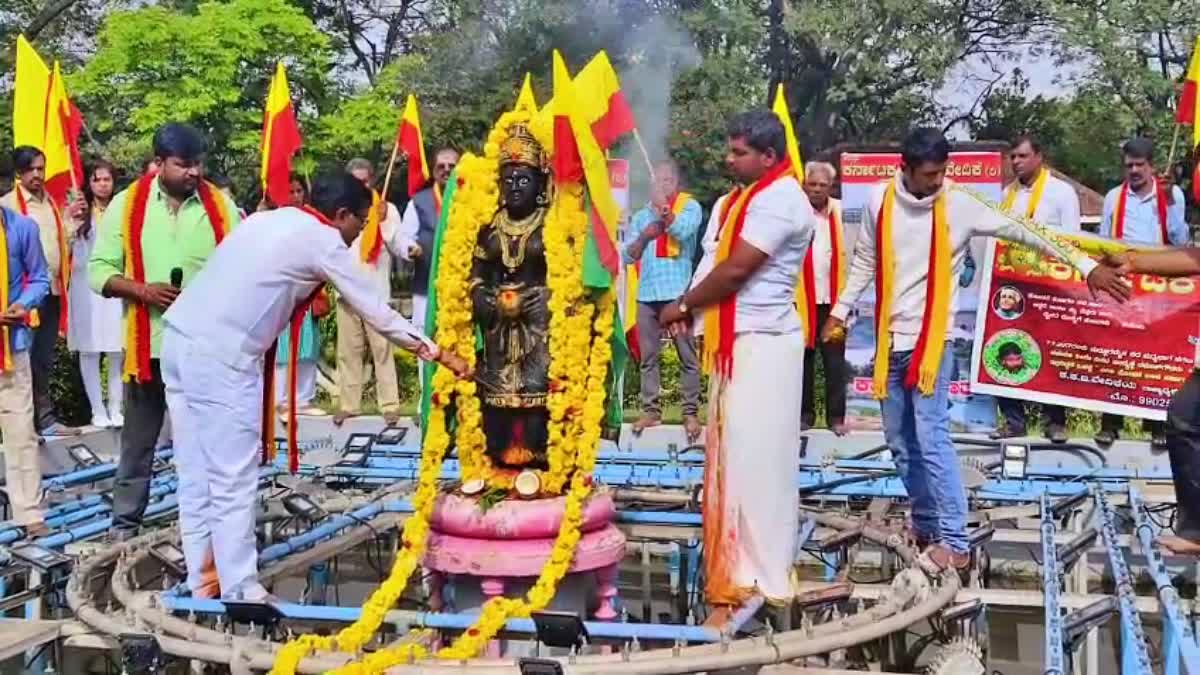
(1013, 410)
(145, 407)
(41, 361)
(1183, 444)
(833, 357)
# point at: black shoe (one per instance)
(1057, 433)
(1158, 441)
(1105, 438)
(1006, 431)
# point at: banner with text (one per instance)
(969, 411)
(1041, 336)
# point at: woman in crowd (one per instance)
(94, 322)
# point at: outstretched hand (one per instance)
(1109, 277)
(457, 364)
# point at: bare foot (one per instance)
(1179, 545)
(340, 418)
(719, 617)
(693, 428)
(646, 421)
(391, 418)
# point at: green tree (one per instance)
(210, 68)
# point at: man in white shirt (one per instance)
(354, 335)
(828, 258)
(217, 332)
(929, 217)
(1149, 211)
(1038, 195)
(755, 351)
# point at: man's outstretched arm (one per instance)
(1175, 262)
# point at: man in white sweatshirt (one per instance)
(924, 216)
(261, 276)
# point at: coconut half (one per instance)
(527, 483)
(473, 487)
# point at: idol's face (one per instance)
(102, 183)
(925, 178)
(521, 185)
(179, 176)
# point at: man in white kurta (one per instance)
(1037, 194)
(216, 334)
(751, 505)
(355, 337)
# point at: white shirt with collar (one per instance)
(822, 248)
(1058, 207)
(244, 296)
(779, 222)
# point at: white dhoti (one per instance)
(216, 414)
(751, 505)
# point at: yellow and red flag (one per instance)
(1187, 110)
(410, 141)
(604, 109)
(45, 118)
(780, 108)
(566, 162)
(526, 99)
(281, 140)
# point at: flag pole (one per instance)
(387, 179)
(1174, 142)
(645, 155)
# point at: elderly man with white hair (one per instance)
(821, 279)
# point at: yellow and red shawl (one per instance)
(719, 320)
(295, 324)
(666, 246)
(372, 236)
(806, 295)
(137, 315)
(1039, 186)
(927, 358)
(1160, 197)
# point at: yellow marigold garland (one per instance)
(581, 328)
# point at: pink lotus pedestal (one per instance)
(501, 552)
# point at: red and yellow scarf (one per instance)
(1039, 186)
(295, 324)
(666, 246)
(927, 358)
(719, 320)
(437, 203)
(137, 315)
(64, 255)
(1160, 195)
(372, 237)
(806, 293)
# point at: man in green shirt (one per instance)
(182, 220)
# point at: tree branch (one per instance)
(49, 13)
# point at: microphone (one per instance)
(177, 277)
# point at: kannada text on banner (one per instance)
(1041, 336)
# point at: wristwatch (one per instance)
(683, 308)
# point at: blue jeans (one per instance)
(917, 429)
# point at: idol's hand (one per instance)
(1106, 279)
(158, 295)
(834, 330)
